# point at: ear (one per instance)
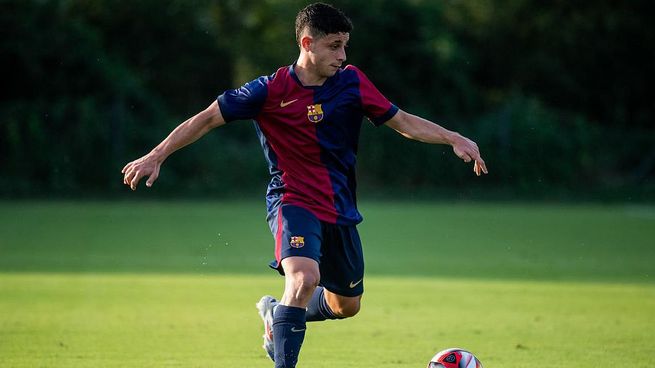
(306, 42)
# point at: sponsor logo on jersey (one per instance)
(315, 113)
(297, 241)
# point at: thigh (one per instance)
(343, 306)
(297, 233)
(342, 261)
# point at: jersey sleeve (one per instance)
(245, 102)
(376, 107)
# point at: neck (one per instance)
(307, 72)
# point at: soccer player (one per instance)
(308, 117)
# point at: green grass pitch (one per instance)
(174, 285)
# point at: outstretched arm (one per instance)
(419, 129)
(185, 134)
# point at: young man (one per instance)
(308, 117)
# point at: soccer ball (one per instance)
(454, 358)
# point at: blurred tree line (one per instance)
(557, 94)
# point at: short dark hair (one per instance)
(322, 19)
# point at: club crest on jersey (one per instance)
(297, 241)
(315, 113)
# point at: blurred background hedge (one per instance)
(557, 94)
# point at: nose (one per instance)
(341, 56)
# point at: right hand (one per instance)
(468, 151)
(134, 171)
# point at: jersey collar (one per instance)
(292, 72)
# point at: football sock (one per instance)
(318, 308)
(288, 335)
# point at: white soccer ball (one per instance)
(454, 358)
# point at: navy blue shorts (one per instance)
(336, 248)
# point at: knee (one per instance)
(305, 281)
(302, 277)
(346, 308)
(303, 284)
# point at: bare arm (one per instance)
(186, 133)
(419, 129)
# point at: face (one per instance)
(327, 53)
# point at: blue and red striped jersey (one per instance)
(309, 135)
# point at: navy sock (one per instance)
(288, 335)
(318, 308)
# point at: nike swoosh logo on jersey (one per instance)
(285, 104)
(293, 329)
(353, 284)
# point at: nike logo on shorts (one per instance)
(353, 284)
(293, 329)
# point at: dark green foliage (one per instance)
(556, 94)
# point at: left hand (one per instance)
(134, 171)
(468, 151)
